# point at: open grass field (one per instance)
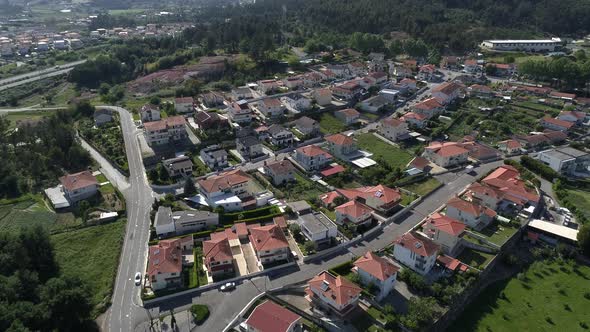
(474, 258)
(16, 117)
(423, 187)
(497, 233)
(549, 297)
(92, 254)
(330, 125)
(392, 155)
(580, 199)
(28, 212)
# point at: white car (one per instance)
(137, 279)
(228, 286)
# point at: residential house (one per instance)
(503, 188)
(445, 231)
(184, 105)
(213, 99)
(416, 251)
(408, 84)
(293, 82)
(281, 221)
(418, 165)
(307, 126)
(534, 140)
(354, 214)
(165, 263)
(556, 124)
(377, 271)
(501, 69)
(268, 86)
(357, 68)
(180, 166)
(297, 102)
(446, 154)
(149, 113)
(79, 186)
(347, 90)
(480, 91)
(336, 294)
(380, 198)
(570, 97)
(271, 107)
(211, 122)
(534, 90)
(403, 72)
(426, 73)
(449, 62)
(415, 119)
(340, 71)
(471, 66)
(317, 228)
(312, 157)
(445, 93)
(167, 130)
(393, 129)
(480, 151)
(215, 157)
(226, 189)
(374, 104)
(280, 171)
(378, 77)
(269, 244)
(279, 136)
(323, 96)
(218, 259)
(312, 79)
(473, 214)
(241, 93)
(102, 116)
(390, 94)
(576, 117)
(510, 147)
(348, 116)
(169, 224)
(248, 145)
(341, 146)
(271, 317)
(328, 198)
(429, 107)
(240, 112)
(567, 161)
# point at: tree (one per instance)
(294, 229)
(189, 187)
(339, 200)
(309, 246)
(584, 239)
(421, 312)
(67, 303)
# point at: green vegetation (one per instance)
(477, 259)
(30, 210)
(393, 156)
(570, 73)
(200, 313)
(329, 124)
(423, 187)
(302, 189)
(197, 276)
(17, 119)
(108, 140)
(407, 199)
(547, 296)
(92, 254)
(539, 168)
(263, 213)
(498, 233)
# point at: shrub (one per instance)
(200, 313)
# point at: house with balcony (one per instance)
(472, 213)
(168, 130)
(178, 167)
(227, 189)
(426, 73)
(446, 154)
(447, 92)
(269, 244)
(322, 96)
(164, 270)
(429, 107)
(567, 161)
(416, 251)
(349, 116)
(377, 271)
(218, 259)
(317, 228)
(149, 113)
(213, 99)
(79, 186)
(393, 129)
(380, 198)
(297, 102)
(169, 224)
(415, 119)
(341, 146)
(248, 145)
(215, 157)
(184, 105)
(307, 126)
(268, 86)
(445, 231)
(240, 112)
(334, 293)
(280, 171)
(279, 136)
(312, 158)
(271, 107)
(271, 317)
(354, 214)
(211, 123)
(510, 147)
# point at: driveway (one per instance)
(250, 258)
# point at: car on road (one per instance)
(137, 279)
(227, 286)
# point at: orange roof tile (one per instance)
(418, 244)
(376, 266)
(269, 237)
(337, 288)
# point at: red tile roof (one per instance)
(512, 144)
(272, 102)
(333, 170)
(184, 100)
(392, 122)
(449, 262)
(447, 149)
(418, 244)
(280, 221)
(480, 88)
(312, 151)
(328, 198)
(446, 224)
(349, 112)
(412, 115)
(340, 139)
(217, 250)
(575, 114)
(562, 95)
(385, 194)
(271, 317)
(376, 266)
(420, 163)
(165, 257)
(339, 289)
(557, 122)
(506, 180)
(471, 207)
(354, 209)
(280, 167)
(269, 237)
(223, 180)
(78, 180)
(447, 88)
(428, 104)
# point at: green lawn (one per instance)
(26, 212)
(474, 258)
(423, 187)
(330, 214)
(303, 189)
(107, 189)
(330, 124)
(550, 298)
(580, 199)
(497, 233)
(101, 178)
(407, 199)
(392, 155)
(92, 254)
(15, 117)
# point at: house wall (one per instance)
(447, 241)
(419, 264)
(166, 280)
(274, 255)
(393, 133)
(183, 107)
(196, 225)
(329, 301)
(385, 286)
(82, 193)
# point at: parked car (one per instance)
(228, 286)
(137, 279)
(295, 256)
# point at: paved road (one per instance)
(110, 172)
(126, 303)
(17, 80)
